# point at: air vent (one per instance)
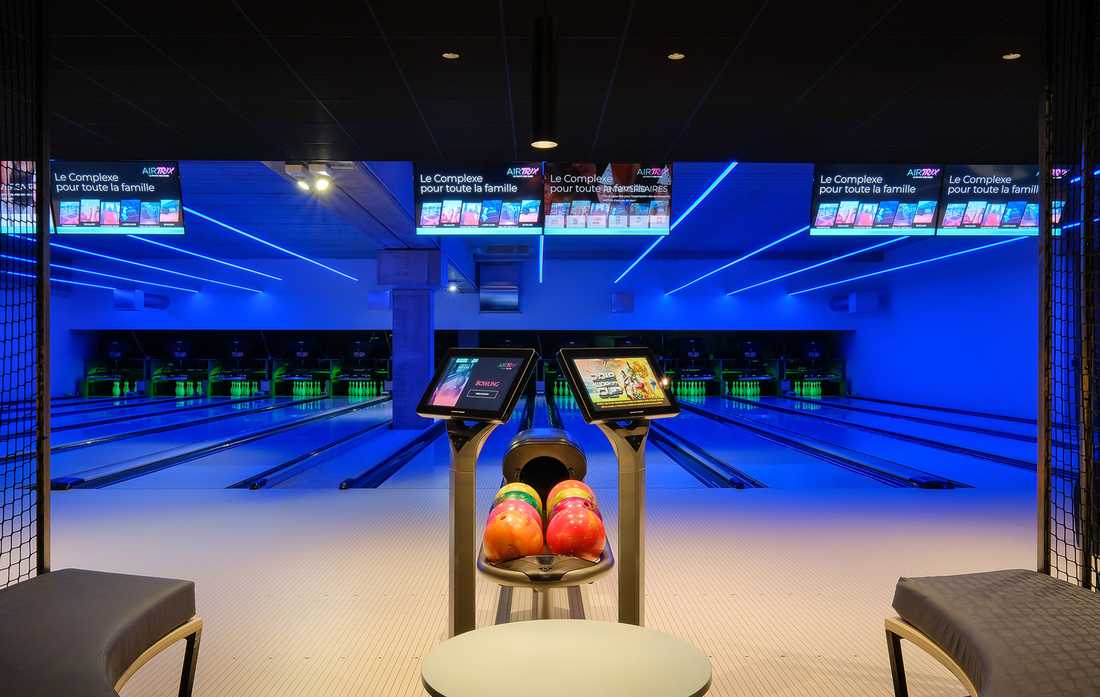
(508, 250)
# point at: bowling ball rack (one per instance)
(542, 573)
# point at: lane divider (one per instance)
(379, 473)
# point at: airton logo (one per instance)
(1058, 172)
(159, 171)
(507, 365)
(923, 172)
(523, 172)
(652, 171)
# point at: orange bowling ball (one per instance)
(514, 530)
(567, 488)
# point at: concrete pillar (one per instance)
(414, 275)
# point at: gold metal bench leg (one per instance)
(897, 665)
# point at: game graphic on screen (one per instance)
(989, 200)
(114, 195)
(479, 199)
(609, 198)
(620, 383)
(478, 384)
(17, 187)
(874, 200)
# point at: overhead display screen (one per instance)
(620, 383)
(992, 200)
(504, 199)
(608, 198)
(17, 182)
(870, 200)
(116, 198)
(476, 383)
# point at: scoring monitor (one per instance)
(617, 383)
(477, 384)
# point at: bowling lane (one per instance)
(771, 463)
(959, 467)
(963, 422)
(172, 419)
(170, 442)
(348, 462)
(226, 467)
(190, 406)
(603, 470)
(1004, 447)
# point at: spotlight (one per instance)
(451, 55)
(544, 85)
(302, 184)
(1011, 56)
(676, 56)
(452, 287)
(321, 184)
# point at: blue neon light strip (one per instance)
(542, 242)
(203, 256)
(751, 254)
(686, 213)
(61, 280)
(910, 265)
(252, 237)
(122, 278)
(151, 267)
(97, 273)
(818, 265)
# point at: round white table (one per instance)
(579, 658)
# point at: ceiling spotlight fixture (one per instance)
(452, 287)
(451, 55)
(544, 85)
(321, 183)
(1011, 56)
(676, 56)
(302, 184)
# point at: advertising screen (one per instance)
(503, 199)
(869, 200)
(620, 383)
(116, 198)
(608, 198)
(476, 383)
(995, 200)
(17, 182)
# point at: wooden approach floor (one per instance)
(333, 593)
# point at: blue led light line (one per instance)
(818, 265)
(909, 265)
(150, 266)
(203, 256)
(542, 240)
(751, 254)
(61, 280)
(693, 206)
(254, 238)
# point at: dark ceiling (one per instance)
(877, 80)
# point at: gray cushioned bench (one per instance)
(77, 633)
(1013, 633)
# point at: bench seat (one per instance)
(82, 633)
(1014, 633)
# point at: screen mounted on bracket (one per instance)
(613, 384)
(477, 384)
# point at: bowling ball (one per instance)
(520, 491)
(514, 530)
(577, 532)
(573, 502)
(569, 492)
(568, 484)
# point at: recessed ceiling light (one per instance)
(544, 144)
(1010, 56)
(451, 55)
(676, 56)
(452, 287)
(321, 183)
(302, 184)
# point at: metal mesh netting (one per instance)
(20, 145)
(1069, 486)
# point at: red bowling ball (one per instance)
(576, 531)
(573, 502)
